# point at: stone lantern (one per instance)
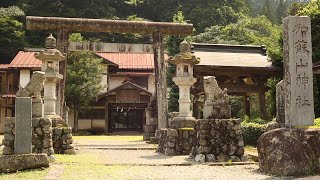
(184, 80)
(50, 58)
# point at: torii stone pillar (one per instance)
(184, 80)
(50, 58)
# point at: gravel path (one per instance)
(147, 164)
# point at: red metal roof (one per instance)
(25, 60)
(4, 66)
(129, 60)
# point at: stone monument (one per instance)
(298, 76)
(184, 80)
(293, 151)
(216, 105)
(24, 112)
(50, 58)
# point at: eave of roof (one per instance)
(124, 84)
(231, 55)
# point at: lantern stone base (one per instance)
(183, 122)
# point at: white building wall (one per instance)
(24, 77)
(151, 83)
(115, 82)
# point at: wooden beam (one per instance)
(242, 88)
(205, 70)
(103, 25)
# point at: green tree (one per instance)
(12, 33)
(84, 74)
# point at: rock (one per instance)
(7, 150)
(38, 131)
(35, 122)
(47, 143)
(7, 143)
(169, 152)
(67, 130)
(240, 152)
(245, 158)
(231, 149)
(52, 158)
(286, 152)
(272, 125)
(8, 137)
(48, 151)
(235, 159)
(210, 158)
(14, 163)
(57, 131)
(45, 121)
(222, 158)
(200, 158)
(70, 151)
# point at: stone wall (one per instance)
(176, 141)
(8, 139)
(62, 140)
(43, 139)
(42, 136)
(219, 139)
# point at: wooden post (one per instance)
(160, 77)
(62, 45)
(262, 105)
(106, 117)
(246, 100)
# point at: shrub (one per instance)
(251, 132)
(317, 122)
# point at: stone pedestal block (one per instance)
(23, 135)
(14, 163)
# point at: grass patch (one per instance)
(187, 129)
(251, 149)
(27, 174)
(109, 138)
(82, 158)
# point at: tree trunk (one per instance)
(75, 117)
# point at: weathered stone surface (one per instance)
(23, 136)
(217, 100)
(210, 158)
(219, 138)
(298, 74)
(200, 158)
(13, 163)
(280, 103)
(272, 125)
(289, 152)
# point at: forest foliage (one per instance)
(256, 22)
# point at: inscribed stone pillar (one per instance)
(23, 136)
(298, 75)
(280, 99)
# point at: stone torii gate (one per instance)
(65, 25)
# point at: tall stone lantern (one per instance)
(184, 80)
(50, 58)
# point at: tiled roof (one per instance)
(25, 60)
(231, 55)
(130, 60)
